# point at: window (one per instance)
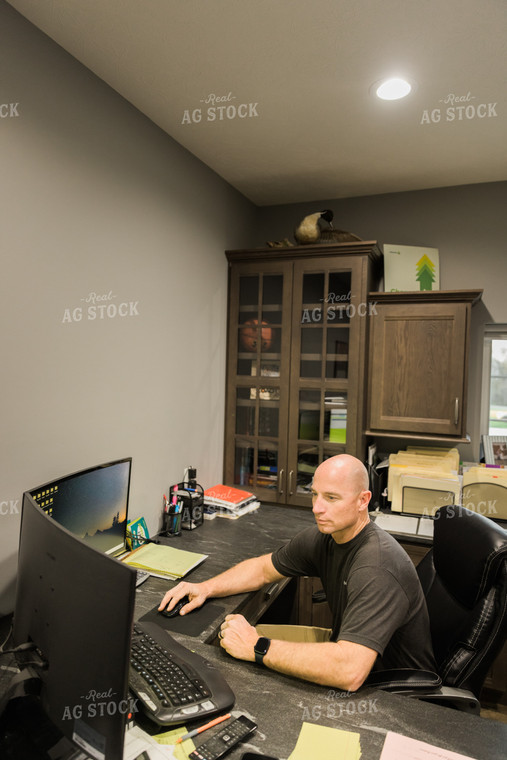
(494, 386)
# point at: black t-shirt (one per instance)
(372, 589)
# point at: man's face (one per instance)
(339, 506)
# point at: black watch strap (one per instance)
(261, 649)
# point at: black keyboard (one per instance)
(173, 684)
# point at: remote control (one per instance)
(225, 740)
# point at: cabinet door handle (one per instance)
(290, 482)
(456, 411)
(280, 481)
(270, 590)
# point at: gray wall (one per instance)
(96, 200)
(468, 225)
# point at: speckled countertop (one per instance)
(280, 704)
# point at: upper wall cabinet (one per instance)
(418, 363)
(296, 363)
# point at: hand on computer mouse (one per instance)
(191, 594)
(175, 611)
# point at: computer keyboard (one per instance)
(141, 576)
(173, 684)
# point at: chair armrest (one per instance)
(425, 685)
(400, 679)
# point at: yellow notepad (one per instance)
(326, 743)
(164, 561)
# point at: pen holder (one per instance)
(172, 522)
(190, 500)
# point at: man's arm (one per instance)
(342, 664)
(249, 575)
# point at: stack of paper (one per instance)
(397, 746)
(139, 744)
(485, 491)
(230, 502)
(422, 480)
(164, 561)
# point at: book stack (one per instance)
(230, 502)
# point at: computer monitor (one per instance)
(76, 604)
(92, 504)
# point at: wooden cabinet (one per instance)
(418, 363)
(313, 608)
(296, 363)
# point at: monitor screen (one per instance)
(76, 604)
(92, 504)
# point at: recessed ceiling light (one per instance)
(392, 89)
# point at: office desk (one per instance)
(227, 542)
(279, 704)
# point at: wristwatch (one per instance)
(261, 649)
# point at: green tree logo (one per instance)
(425, 273)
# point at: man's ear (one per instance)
(365, 497)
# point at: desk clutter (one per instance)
(314, 741)
(421, 480)
(184, 508)
(189, 504)
(231, 503)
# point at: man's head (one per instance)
(340, 497)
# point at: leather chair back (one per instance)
(464, 578)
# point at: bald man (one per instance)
(377, 604)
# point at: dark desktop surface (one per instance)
(280, 704)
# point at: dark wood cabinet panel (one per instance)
(418, 362)
(312, 611)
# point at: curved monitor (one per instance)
(92, 504)
(76, 604)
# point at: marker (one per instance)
(203, 728)
(175, 504)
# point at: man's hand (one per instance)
(195, 591)
(238, 637)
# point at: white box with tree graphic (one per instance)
(408, 267)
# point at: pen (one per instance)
(203, 728)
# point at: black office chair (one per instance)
(464, 578)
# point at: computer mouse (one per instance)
(176, 609)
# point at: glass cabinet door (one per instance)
(258, 377)
(295, 365)
(324, 351)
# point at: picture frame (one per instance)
(495, 449)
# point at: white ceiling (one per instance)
(313, 130)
